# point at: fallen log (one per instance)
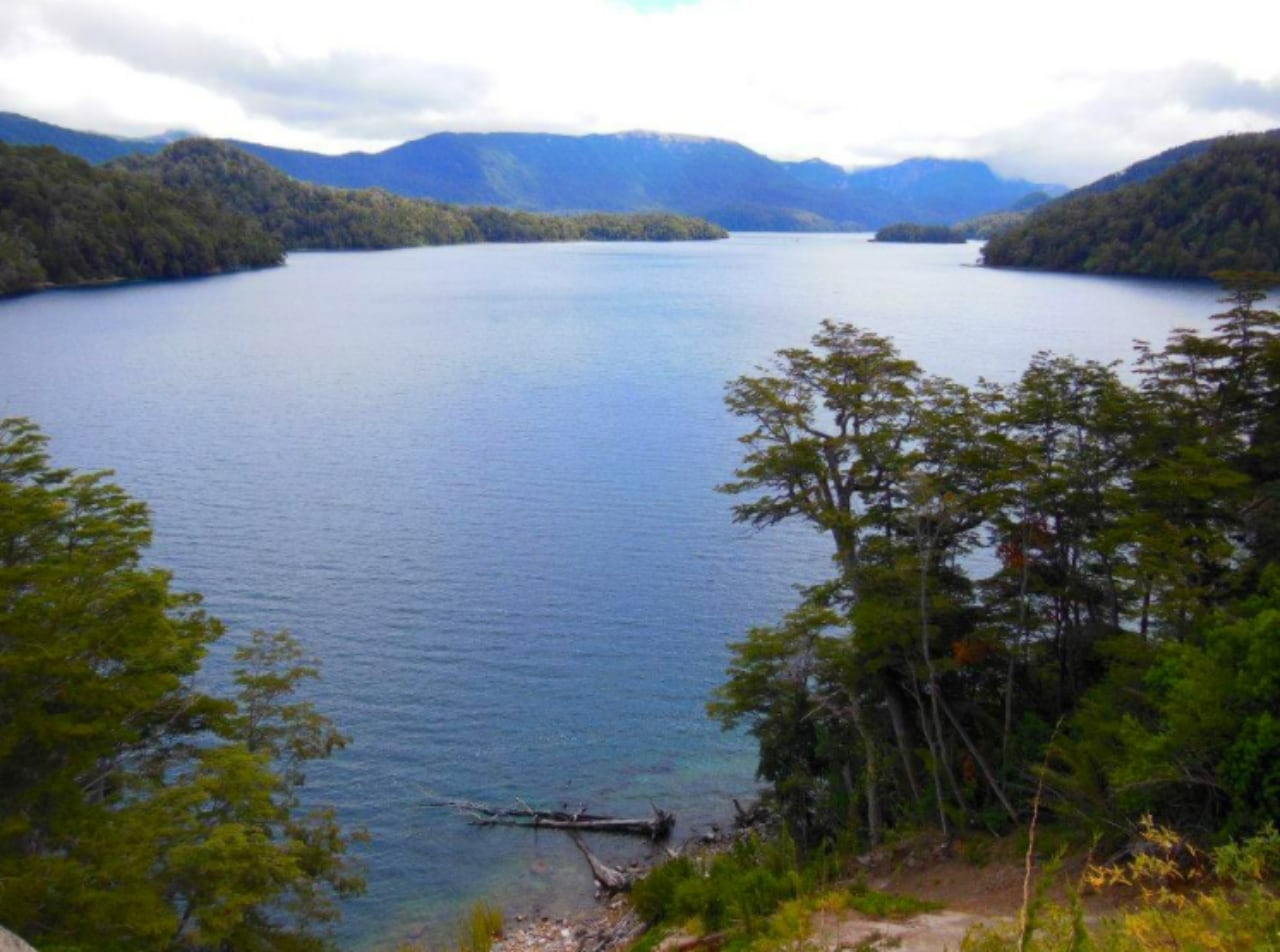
(656, 827)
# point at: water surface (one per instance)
(478, 483)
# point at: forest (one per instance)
(204, 207)
(921, 234)
(62, 221)
(1219, 209)
(1060, 593)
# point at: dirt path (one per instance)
(927, 932)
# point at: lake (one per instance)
(478, 483)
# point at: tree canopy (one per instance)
(1219, 209)
(1070, 550)
(912, 233)
(137, 812)
(63, 221)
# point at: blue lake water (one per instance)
(477, 482)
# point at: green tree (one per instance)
(135, 811)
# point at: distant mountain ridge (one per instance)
(716, 179)
(93, 147)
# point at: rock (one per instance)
(11, 943)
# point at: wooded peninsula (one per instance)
(205, 207)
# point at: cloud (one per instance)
(365, 92)
(1047, 95)
(1214, 88)
(1130, 116)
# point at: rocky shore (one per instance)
(609, 926)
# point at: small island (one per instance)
(912, 233)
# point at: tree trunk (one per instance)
(981, 762)
(875, 817)
(898, 718)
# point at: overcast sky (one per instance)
(1064, 96)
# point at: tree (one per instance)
(848, 437)
(135, 811)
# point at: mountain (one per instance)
(712, 178)
(90, 146)
(1218, 209)
(633, 171)
(946, 191)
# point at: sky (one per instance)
(1045, 90)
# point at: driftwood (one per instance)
(610, 879)
(656, 827)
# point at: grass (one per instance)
(882, 905)
(479, 928)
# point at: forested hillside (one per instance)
(1115, 644)
(63, 221)
(202, 207)
(306, 216)
(1219, 209)
(1149, 168)
(299, 214)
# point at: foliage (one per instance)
(1125, 532)
(912, 233)
(1218, 209)
(739, 888)
(882, 905)
(1185, 900)
(63, 221)
(135, 810)
(987, 226)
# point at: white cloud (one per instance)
(1068, 95)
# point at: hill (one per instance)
(626, 172)
(1148, 169)
(64, 222)
(307, 216)
(1218, 209)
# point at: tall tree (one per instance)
(136, 811)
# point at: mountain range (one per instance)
(722, 181)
